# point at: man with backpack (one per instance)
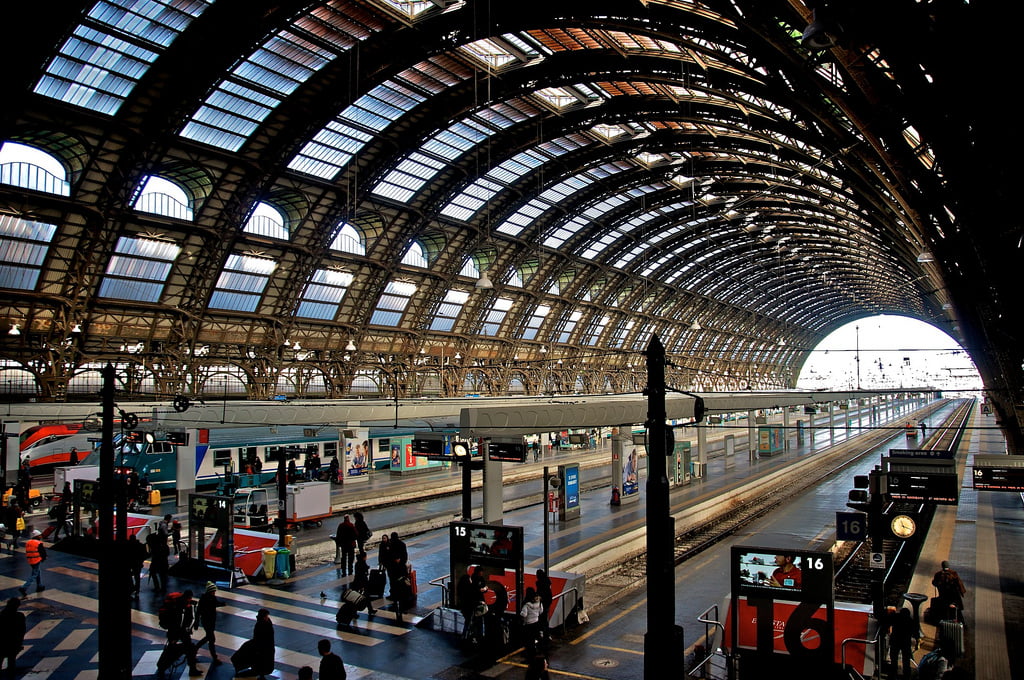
(177, 616)
(932, 666)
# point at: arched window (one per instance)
(266, 220)
(470, 269)
(349, 240)
(31, 168)
(415, 256)
(160, 196)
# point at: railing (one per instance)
(852, 672)
(157, 203)
(442, 583)
(711, 624)
(559, 601)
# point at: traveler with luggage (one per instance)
(361, 581)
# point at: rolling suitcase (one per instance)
(355, 598)
(378, 580)
(951, 638)
(346, 613)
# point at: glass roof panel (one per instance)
(334, 146)
(109, 52)
(271, 73)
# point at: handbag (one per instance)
(481, 610)
(20, 524)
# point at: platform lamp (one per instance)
(351, 346)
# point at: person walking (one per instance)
(206, 612)
(73, 460)
(159, 553)
(363, 532)
(258, 653)
(14, 519)
(902, 632)
(12, 623)
(951, 590)
(469, 597)
(136, 556)
(35, 553)
(398, 558)
(361, 581)
(181, 621)
(345, 546)
(331, 665)
(537, 669)
(532, 613)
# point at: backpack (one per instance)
(171, 611)
(930, 665)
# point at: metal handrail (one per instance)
(862, 641)
(561, 595)
(442, 583)
(710, 653)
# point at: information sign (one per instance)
(509, 449)
(998, 472)
(851, 526)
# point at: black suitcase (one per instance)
(378, 581)
(346, 613)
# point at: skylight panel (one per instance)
(24, 245)
(261, 81)
(138, 269)
(475, 196)
(323, 294)
(619, 337)
(241, 283)
(109, 52)
(449, 310)
(410, 8)
(598, 246)
(535, 321)
(569, 327)
(495, 316)
(392, 303)
(403, 182)
(559, 97)
(448, 144)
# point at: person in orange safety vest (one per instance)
(35, 551)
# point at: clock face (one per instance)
(903, 526)
(460, 450)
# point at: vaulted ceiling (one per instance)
(349, 169)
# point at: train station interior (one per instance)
(352, 221)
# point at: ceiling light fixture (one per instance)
(925, 256)
(484, 282)
(695, 326)
(15, 329)
(350, 347)
(77, 328)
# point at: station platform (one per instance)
(981, 538)
(62, 639)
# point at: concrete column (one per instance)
(493, 501)
(702, 449)
(751, 435)
(831, 422)
(785, 427)
(730, 449)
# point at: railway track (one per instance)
(853, 578)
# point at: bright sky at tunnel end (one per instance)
(894, 351)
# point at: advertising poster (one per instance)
(411, 461)
(356, 457)
(569, 507)
(631, 472)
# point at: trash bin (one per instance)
(284, 563)
(269, 560)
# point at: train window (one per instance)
(160, 448)
(221, 457)
(330, 449)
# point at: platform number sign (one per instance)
(851, 526)
(783, 591)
